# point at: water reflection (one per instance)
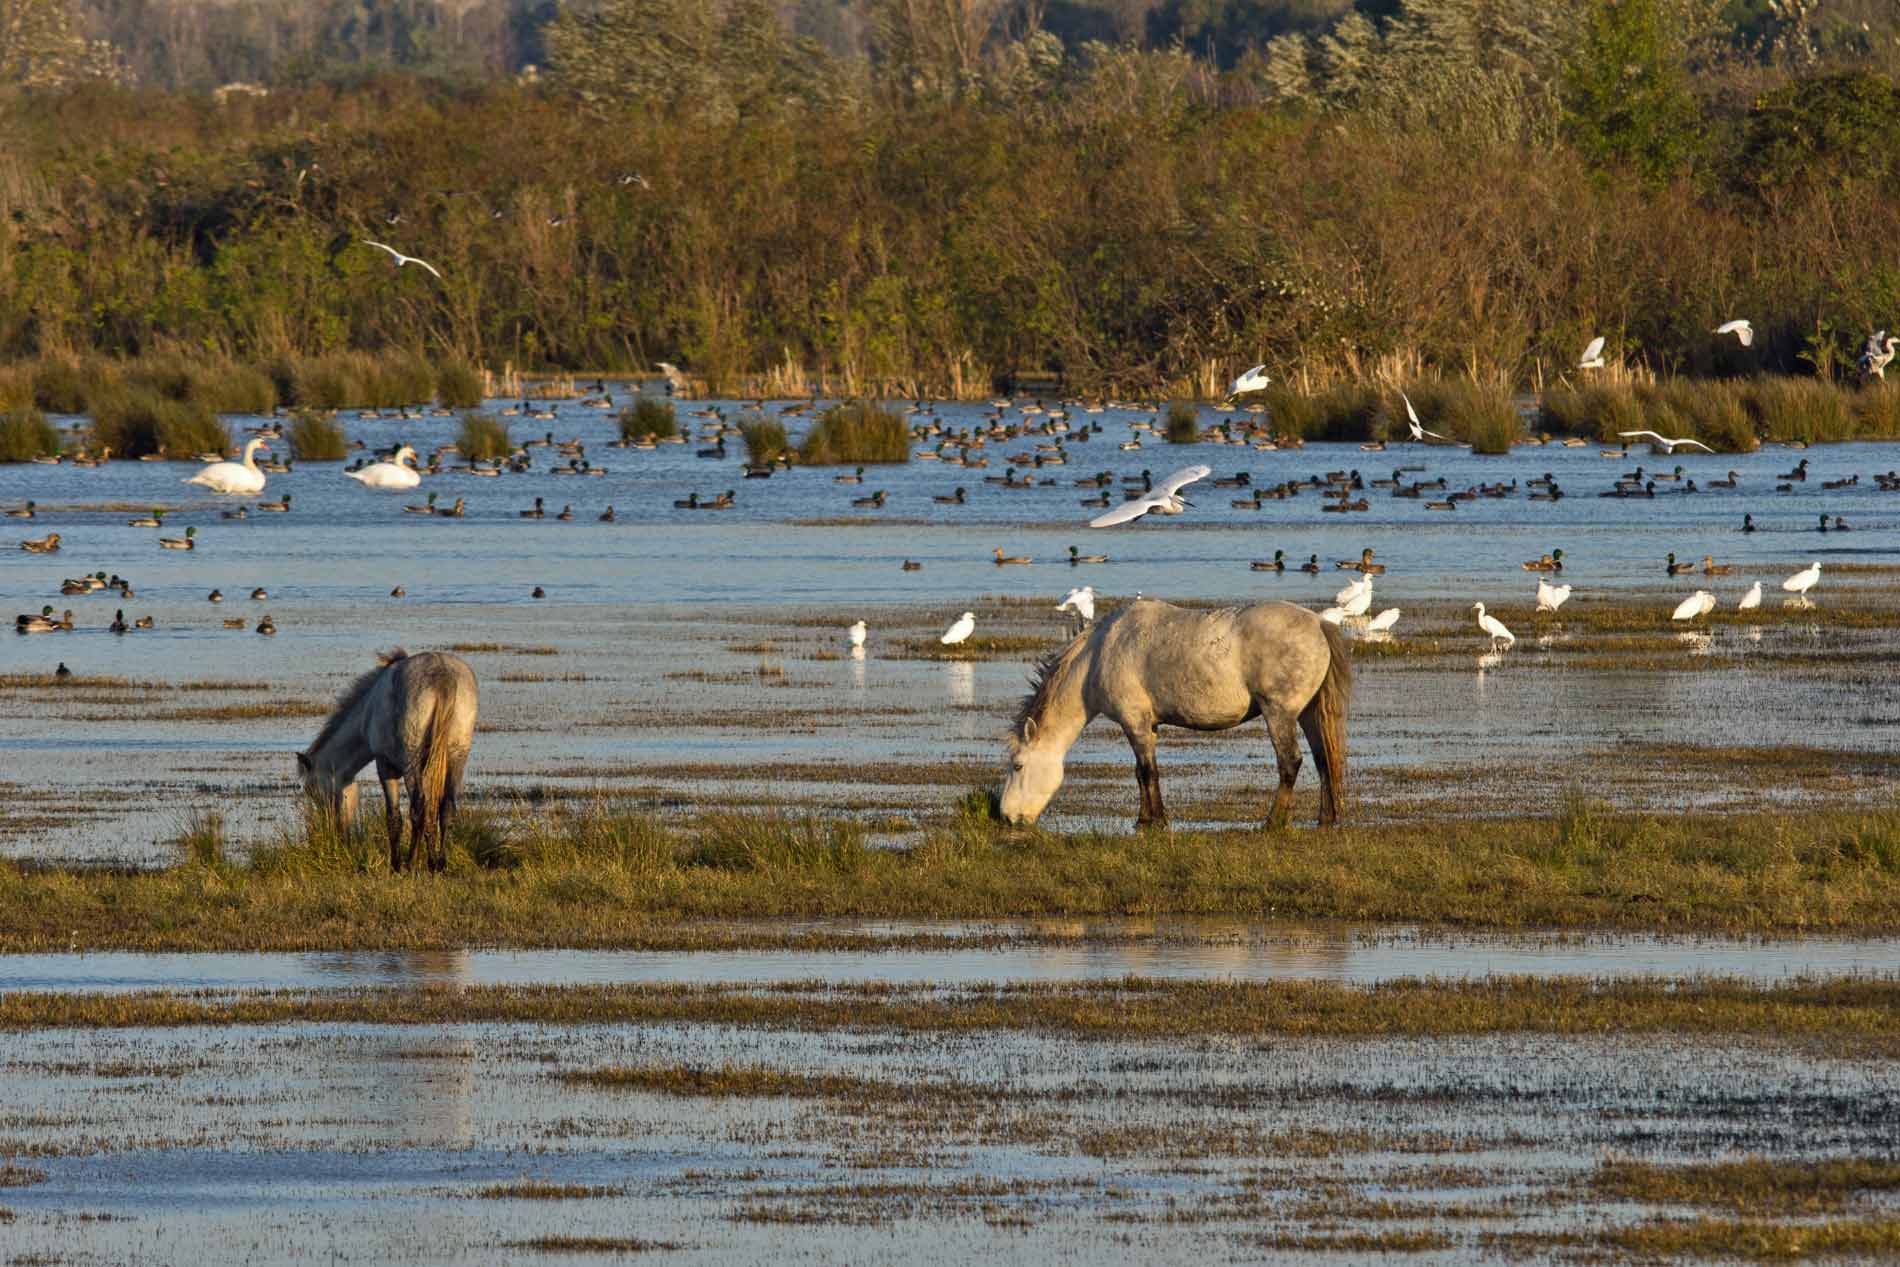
(960, 680)
(1698, 642)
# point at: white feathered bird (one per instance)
(1551, 597)
(1664, 442)
(965, 626)
(1804, 580)
(1384, 621)
(1253, 380)
(1592, 358)
(234, 477)
(1081, 601)
(390, 474)
(1500, 636)
(1363, 586)
(402, 259)
(856, 634)
(1744, 333)
(1411, 420)
(1694, 607)
(1750, 600)
(1165, 499)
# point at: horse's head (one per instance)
(327, 791)
(1035, 772)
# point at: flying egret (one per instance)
(1166, 499)
(1694, 607)
(1081, 601)
(1352, 591)
(1411, 420)
(1359, 604)
(1252, 381)
(1592, 358)
(1664, 442)
(1750, 600)
(402, 259)
(1383, 621)
(1743, 332)
(1500, 636)
(965, 626)
(1551, 597)
(1804, 580)
(234, 477)
(391, 474)
(856, 634)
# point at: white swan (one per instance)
(390, 474)
(1500, 636)
(238, 478)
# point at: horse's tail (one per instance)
(436, 759)
(1327, 709)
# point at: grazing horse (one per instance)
(1152, 664)
(415, 717)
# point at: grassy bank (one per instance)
(1850, 1017)
(631, 880)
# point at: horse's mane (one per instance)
(352, 695)
(1042, 680)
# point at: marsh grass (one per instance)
(26, 434)
(1877, 411)
(483, 438)
(64, 384)
(733, 1080)
(315, 437)
(1804, 409)
(458, 384)
(1754, 1240)
(1480, 414)
(1756, 1185)
(649, 417)
(355, 380)
(135, 421)
(765, 438)
(857, 431)
(541, 1190)
(202, 842)
(1184, 423)
(592, 1245)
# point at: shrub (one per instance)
(648, 417)
(1348, 411)
(458, 385)
(317, 438)
(331, 381)
(483, 438)
(1877, 412)
(856, 432)
(1290, 413)
(1481, 415)
(399, 378)
(64, 385)
(765, 438)
(1184, 423)
(1806, 409)
(25, 434)
(136, 421)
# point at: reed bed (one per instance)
(316, 437)
(458, 384)
(857, 431)
(765, 439)
(133, 422)
(649, 419)
(26, 434)
(483, 438)
(1184, 423)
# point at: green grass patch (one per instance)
(483, 438)
(857, 431)
(316, 437)
(458, 385)
(1755, 1186)
(26, 434)
(649, 418)
(765, 438)
(539, 1190)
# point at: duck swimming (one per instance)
(1276, 564)
(186, 542)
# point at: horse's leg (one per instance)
(1141, 737)
(1283, 729)
(1328, 780)
(391, 779)
(421, 820)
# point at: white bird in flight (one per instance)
(1333, 615)
(1804, 580)
(1697, 605)
(1351, 594)
(1166, 499)
(1750, 600)
(965, 626)
(1551, 597)
(234, 477)
(391, 474)
(1500, 636)
(1664, 442)
(402, 259)
(1383, 621)
(856, 634)
(1253, 380)
(1081, 601)
(1592, 358)
(1743, 332)
(1418, 428)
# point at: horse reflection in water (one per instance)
(1152, 664)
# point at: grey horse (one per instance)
(1152, 664)
(414, 716)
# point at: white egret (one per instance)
(1252, 381)
(1875, 354)
(965, 626)
(1743, 332)
(1694, 607)
(240, 478)
(1750, 600)
(1664, 442)
(1333, 615)
(1804, 580)
(1166, 499)
(1500, 636)
(1360, 603)
(1361, 586)
(1383, 621)
(1081, 601)
(391, 474)
(1551, 597)
(856, 634)
(402, 259)
(1411, 420)
(1592, 358)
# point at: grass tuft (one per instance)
(315, 437)
(458, 385)
(136, 421)
(1184, 423)
(26, 434)
(856, 432)
(649, 418)
(483, 438)
(765, 438)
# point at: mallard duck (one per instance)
(855, 478)
(607, 515)
(23, 512)
(42, 623)
(1076, 556)
(1002, 558)
(118, 625)
(875, 501)
(1727, 483)
(1711, 568)
(1748, 523)
(457, 511)
(725, 501)
(186, 542)
(399, 592)
(232, 514)
(1311, 566)
(536, 512)
(143, 622)
(689, 502)
(62, 673)
(48, 544)
(427, 508)
(1276, 564)
(265, 626)
(280, 506)
(153, 520)
(259, 593)
(949, 499)
(1362, 564)
(1673, 568)
(567, 513)
(538, 593)
(912, 565)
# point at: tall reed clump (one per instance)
(64, 384)
(316, 437)
(1184, 423)
(1347, 412)
(765, 439)
(1712, 412)
(856, 432)
(202, 840)
(358, 380)
(1480, 414)
(134, 421)
(1804, 409)
(483, 438)
(25, 434)
(1288, 412)
(458, 385)
(1877, 412)
(649, 418)
(1599, 411)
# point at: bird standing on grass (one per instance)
(965, 626)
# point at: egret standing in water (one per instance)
(1750, 600)
(965, 626)
(1801, 582)
(1500, 636)
(856, 634)
(1694, 607)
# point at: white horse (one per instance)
(414, 716)
(1151, 664)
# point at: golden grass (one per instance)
(1756, 1185)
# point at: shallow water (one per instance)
(1093, 950)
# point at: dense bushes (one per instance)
(26, 434)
